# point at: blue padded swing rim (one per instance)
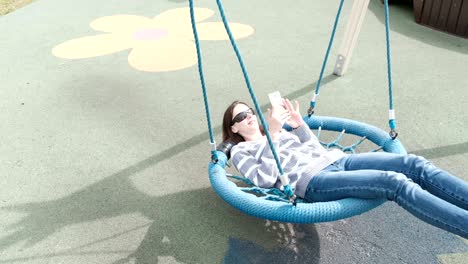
(304, 212)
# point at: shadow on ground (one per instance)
(443, 151)
(183, 225)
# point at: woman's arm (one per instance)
(260, 168)
(303, 133)
(300, 128)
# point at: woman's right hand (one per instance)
(277, 116)
(296, 118)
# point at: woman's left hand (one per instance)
(296, 118)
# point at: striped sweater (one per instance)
(300, 153)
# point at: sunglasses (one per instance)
(242, 115)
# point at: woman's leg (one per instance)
(431, 178)
(333, 184)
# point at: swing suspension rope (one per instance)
(310, 112)
(284, 180)
(391, 112)
(214, 155)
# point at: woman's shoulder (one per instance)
(246, 146)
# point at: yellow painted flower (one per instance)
(162, 43)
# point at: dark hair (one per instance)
(228, 135)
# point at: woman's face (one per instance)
(244, 120)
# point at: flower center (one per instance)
(149, 34)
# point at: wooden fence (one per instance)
(445, 15)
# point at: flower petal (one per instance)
(216, 31)
(170, 54)
(92, 46)
(180, 17)
(121, 23)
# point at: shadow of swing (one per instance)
(183, 225)
(116, 195)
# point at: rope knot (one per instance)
(393, 134)
(310, 111)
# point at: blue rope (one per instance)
(272, 194)
(332, 37)
(252, 94)
(288, 189)
(202, 80)
(392, 122)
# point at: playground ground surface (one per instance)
(105, 146)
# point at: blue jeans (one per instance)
(424, 190)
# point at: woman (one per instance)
(318, 175)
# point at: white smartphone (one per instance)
(275, 98)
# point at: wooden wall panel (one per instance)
(462, 24)
(443, 15)
(417, 9)
(426, 12)
(435, 12)
(452, 20)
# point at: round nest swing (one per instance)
(273, 204)
(254, 205)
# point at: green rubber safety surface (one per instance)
(104, 140)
